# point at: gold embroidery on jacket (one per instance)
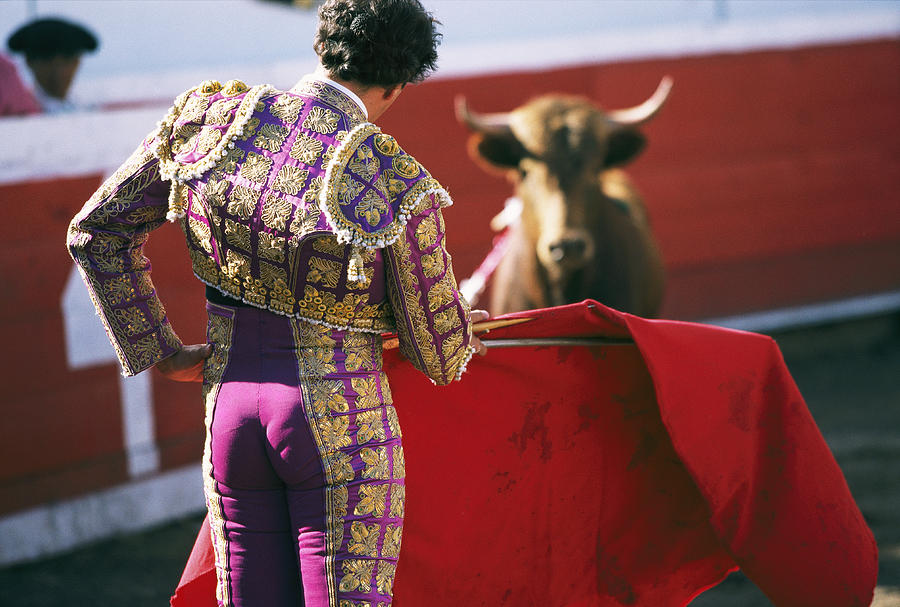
(366, 389)
(238, 235)
(290, 179)
(433, 265)
(306, 149)
(133, 320)
(208, 139)
(271, 246)
(201, 233)
(321, 120)
(349, 189)
(392, 538)
(242, 201)
(406, 166)
(364, 163)
(324, 271)
(371, 207)
(287, 108)
(370, 425)
(446, 320)
(276, 212)
(386, 144)
(221, 112)
(399, 463)
(256, 167)
(214, 191)
(271, 137)
(426, 232)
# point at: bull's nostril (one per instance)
(567, 248)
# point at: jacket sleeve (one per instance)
(106, 240)
(433, 321)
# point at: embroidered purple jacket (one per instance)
(290, 201)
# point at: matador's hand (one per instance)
(479, 316)
(186, 364)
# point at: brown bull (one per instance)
(583, 231)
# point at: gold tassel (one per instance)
(355, 272)
(177, 201)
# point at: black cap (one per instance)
(44, 38)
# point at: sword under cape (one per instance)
(484, 327)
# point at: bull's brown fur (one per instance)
(583, 231)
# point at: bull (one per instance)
(581, 229)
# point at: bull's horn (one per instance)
(481, 123)
(638, 115)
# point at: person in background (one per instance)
(15, 98)
(314, 232)
(53, 48)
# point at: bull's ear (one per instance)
(500, 150)
(624, 146)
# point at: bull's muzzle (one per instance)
(567, 251)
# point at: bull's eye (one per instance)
(523, 172)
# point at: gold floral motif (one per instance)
(349, 603)
(393, 420)
(372, 500)
(384, 578)
(276, 212)
(358, 356)
(208, 138)
(328, 395)
(364, 163)
(446, 321)
(376, 461)
(372, 206)
(388, 185)
(364, 539)
(157, 311)
(118, 290)
(370, 425)
(132, 319)
(321, 120)
(324, 271)
(201, 233)
(329, 245)
(147, 350)
(349, 189)
(242, 201)
(357, 575)
(250, 128)
(312, 192)
(287, 108)
(236, 264)
(214, 191)
(256, 167)
(340, 466)
(398, 500)
(399, 463)
(366, 389)
(317, 362)
(290, 179)
(333, 431)
(426, 232)
(451, 345)
(393, 535)
(110, 265)
(331, 96)
(406, 166)
(271, 137)
(237, 235)
(311, 335)
(230, 161)
(306, 149)
(144, 284)
(386, 144)
(221, 112)
(208, 88)
(433, 265)
(271, 246)
(272, 275)
(194, 109)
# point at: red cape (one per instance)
(614, 475)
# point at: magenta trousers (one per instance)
(303, 465)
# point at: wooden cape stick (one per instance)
(484, 327)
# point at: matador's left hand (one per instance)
(186, 364)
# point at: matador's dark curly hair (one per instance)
(377, 42)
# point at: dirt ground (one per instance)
(848, 373)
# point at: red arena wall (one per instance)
(771, 179)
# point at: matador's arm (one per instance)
(433, 319)
(106, 240)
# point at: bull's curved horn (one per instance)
(481, 123)
(638, 115)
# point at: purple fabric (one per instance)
(267, 463)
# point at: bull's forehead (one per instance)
(553, 125)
